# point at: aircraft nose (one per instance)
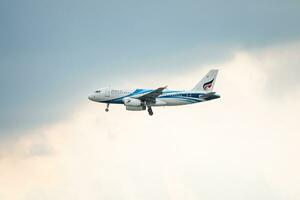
(91, 97)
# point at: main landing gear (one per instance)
(107, 108)
(150, 110)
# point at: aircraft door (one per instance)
(107, 92)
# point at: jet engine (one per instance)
(128, 101)
(135, 108)
(133, 104)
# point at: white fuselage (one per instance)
(167, 98)
(142, 99)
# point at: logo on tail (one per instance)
(208, 85)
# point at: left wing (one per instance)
(151, 96)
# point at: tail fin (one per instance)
(207, 83)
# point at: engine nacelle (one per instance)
(135, 108)
(132, 102)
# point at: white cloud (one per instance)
(242, 146)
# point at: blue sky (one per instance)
(53, 53)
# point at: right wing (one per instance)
(151, 96)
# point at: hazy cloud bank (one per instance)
(242, 146)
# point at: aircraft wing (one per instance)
(151, 96)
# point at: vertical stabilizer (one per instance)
(207, 83)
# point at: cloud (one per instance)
(242, 146)
(280, 66)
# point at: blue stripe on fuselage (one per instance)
(190, 97)
(135, 92)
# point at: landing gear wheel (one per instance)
(150, 111)
(107, 108)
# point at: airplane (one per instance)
(142, 99)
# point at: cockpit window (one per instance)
(98, 91)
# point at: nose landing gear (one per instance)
(107, 108)
(150, 110)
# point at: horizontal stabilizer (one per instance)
(210, 96)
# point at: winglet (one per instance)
(162, 88)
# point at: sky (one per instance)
(55, 144)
